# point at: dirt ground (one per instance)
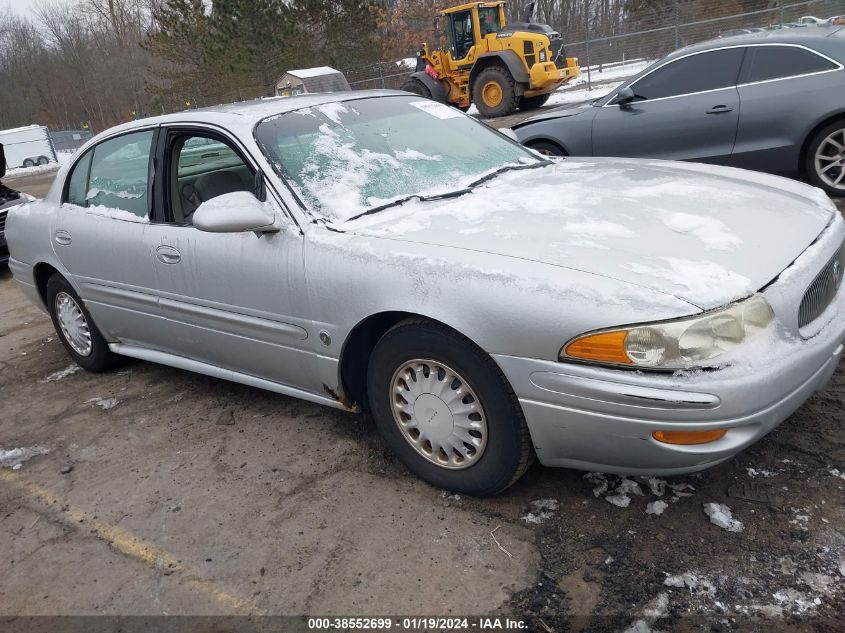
(157, 491)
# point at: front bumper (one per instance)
(593, 418)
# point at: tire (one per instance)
(43, 160)
(532, 103)
(547, 148)
(415, 86)
(501, 451)
(494, 92)
(825, 162)
(29, 163)
(100, 357)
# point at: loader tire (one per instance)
(494, 92)
(532, 103)
(415, 86)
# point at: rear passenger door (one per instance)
(784, 89)
(687, 109)
(103, 236)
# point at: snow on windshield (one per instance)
(346, 158)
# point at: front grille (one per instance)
(823, 290)
(3, 215)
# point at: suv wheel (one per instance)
(446, 410)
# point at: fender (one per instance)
(517, 69)
(438, 92)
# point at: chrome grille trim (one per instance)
(823, 290)
(3, 215)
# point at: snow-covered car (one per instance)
(374, 250)
(8, 199)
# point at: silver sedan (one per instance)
(486, 304)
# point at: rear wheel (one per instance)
(415, 86)
(532, 103)
(77, 331)
(825, 161)
(547, 148)
(446, 410)
(494, 92)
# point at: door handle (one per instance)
(62, 237)
(168, 255)
(719, 109)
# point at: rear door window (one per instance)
(120, 174)
(697, 73)
(778, 62)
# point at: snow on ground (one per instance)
(62, 373)
(541, 510)
(13, 458)
(720, 515)
(62, 157)
(104, 403)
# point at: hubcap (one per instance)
(492, 93)
(73, 324)
(830, 160)
(438, 413)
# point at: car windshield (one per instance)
(347, 158)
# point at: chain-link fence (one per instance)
(680, 23)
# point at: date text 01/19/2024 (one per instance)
(416, 623)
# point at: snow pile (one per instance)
(540, 511)
(109, 212)
(713, 233)
(62, 373)
(691, 581)
(15, 457)
(618, 492)
(104, 403)
(656, 507)
(720, 515)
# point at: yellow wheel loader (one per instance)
(498, 66)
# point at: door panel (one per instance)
(699, 127)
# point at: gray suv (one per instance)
(772, 101)
(8, 199)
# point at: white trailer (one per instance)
(27, 146)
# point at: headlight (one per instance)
(680, 344)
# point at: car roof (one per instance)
(805, 35)
(245, 115)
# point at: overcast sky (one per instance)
(20, 7)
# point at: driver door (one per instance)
(687, 109)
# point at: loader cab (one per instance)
(469, 24)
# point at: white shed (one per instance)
(322, 79)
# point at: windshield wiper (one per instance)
(451, 194)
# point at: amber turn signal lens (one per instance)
(689, 437)
(608, 347)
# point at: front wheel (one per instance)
(446, 410)
(29, 163)
(76, 330)
(43, 160)
(494, 92)
(547, 148)
(825, 162)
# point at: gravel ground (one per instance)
(170, 492)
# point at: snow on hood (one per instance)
(708, 235)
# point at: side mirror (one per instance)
(625, 96)
(235, 212)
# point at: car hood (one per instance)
(707, 235)
(559, 113)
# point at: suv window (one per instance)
(697, 73)
(777, 62)
(202, 168)
(120, 172)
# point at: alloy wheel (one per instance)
(73, 324)
(830, 160)
(438, 413)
